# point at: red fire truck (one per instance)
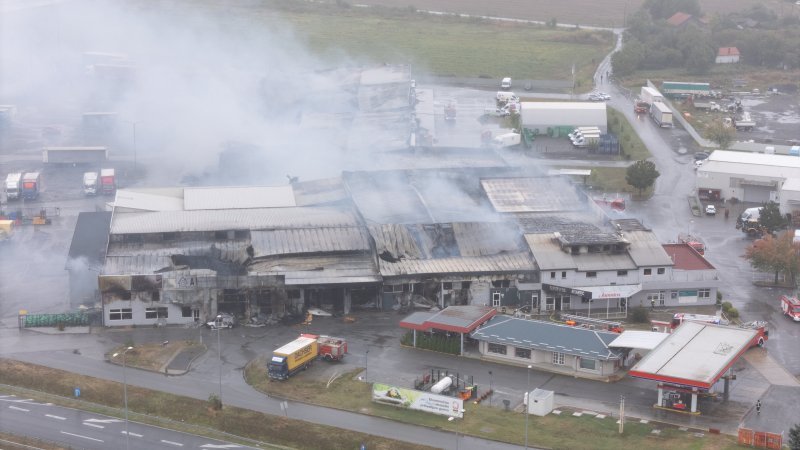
(791, 307)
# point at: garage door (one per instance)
(757, 194)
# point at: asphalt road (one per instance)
(80, 429)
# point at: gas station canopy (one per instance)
(695, 354)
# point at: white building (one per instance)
(559, 118)
(749, 177)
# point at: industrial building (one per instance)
(749, 177)
(558, 119)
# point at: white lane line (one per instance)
(93, 425)
(84, 437)
(18, 408)
(131, 434)
(172, 443)
(55, 417)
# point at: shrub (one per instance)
(214, 402)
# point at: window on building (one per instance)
(156, 313)
(648, 271)
(293, 294)
(466, 284)
(588, 364)
(447, 286)
(591, 274)
(549, 303)
(552, 275)
(393, 288)
(622, 273)
(121, 314)
(558, 358)
(565, 302)
(186, 311)
(497, 348)
(704, 293)
(501, 283)
(661, 271)
(522, 353)
(156, 296)
(563, 275)
(496, 299)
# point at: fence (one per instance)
(55, 320)
(760, 439)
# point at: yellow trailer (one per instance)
(293, 357)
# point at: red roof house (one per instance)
(727, 55)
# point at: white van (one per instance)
(577, 132)
(505, 84)
(505, 97)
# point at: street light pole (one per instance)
(458, 426)
(125, 395)
(366, 366)
(527, 405)
(491, 390)
(219, 357)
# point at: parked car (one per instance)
(596, 98)
(223, 321)
(711, 210)
(699, 162)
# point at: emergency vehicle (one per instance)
(679, 318)
(791, 307)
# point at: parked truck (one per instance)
(13, 185)
(662, 115)
(651, 95)
(791, 307)
(90, 183)
(108, 181)
(699, 103)
(506, 140)
(640, 106)
(579, 131)
(31, 185)
(300, 353)
(679, 89)
(586, 140)
(74, 155)
(743, 122)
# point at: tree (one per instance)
(641, 175)
(719, 133)
(770, 217)
(777, 255)
(794, 437)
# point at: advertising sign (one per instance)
(419, 400)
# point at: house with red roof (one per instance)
(695, 280)
(727, 55)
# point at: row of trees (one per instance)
(776, 254)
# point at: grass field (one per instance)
(442, 46)
(553, 431)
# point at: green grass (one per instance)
(444, 46)
(552, 431)
(632, 146)
(612, 180)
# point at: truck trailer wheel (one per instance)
(760, 341)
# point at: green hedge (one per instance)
(435, 342)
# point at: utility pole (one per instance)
(621, 413)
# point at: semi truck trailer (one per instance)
(74, 155)
(662, 115)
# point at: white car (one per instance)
(223, 321)
(699, 162)
(596, 98)
(601, 95)
(711, 210)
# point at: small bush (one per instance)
(639, 315)
(214, 402)
(733, 313)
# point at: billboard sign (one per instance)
(419, 400)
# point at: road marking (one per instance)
(172, 443)
(103, 420)
(131, 434)
(93, 425)
(81, 436)
(55, 417)
(220, 446)
(18, 408)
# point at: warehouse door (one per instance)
(757, 194)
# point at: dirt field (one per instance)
(582, 12)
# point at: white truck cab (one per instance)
(505, 83)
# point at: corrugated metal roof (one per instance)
(547, 252)
(646, 250)
(696, 353)
(228, 250)
(505, 263)
(603, 261)
(309, 240)
(547, 336)
(232, 219)
(136, 264)
(521, 195)
(486, 238)
(238, 197)
(318, 270)
(317, 192)
(146, 201)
